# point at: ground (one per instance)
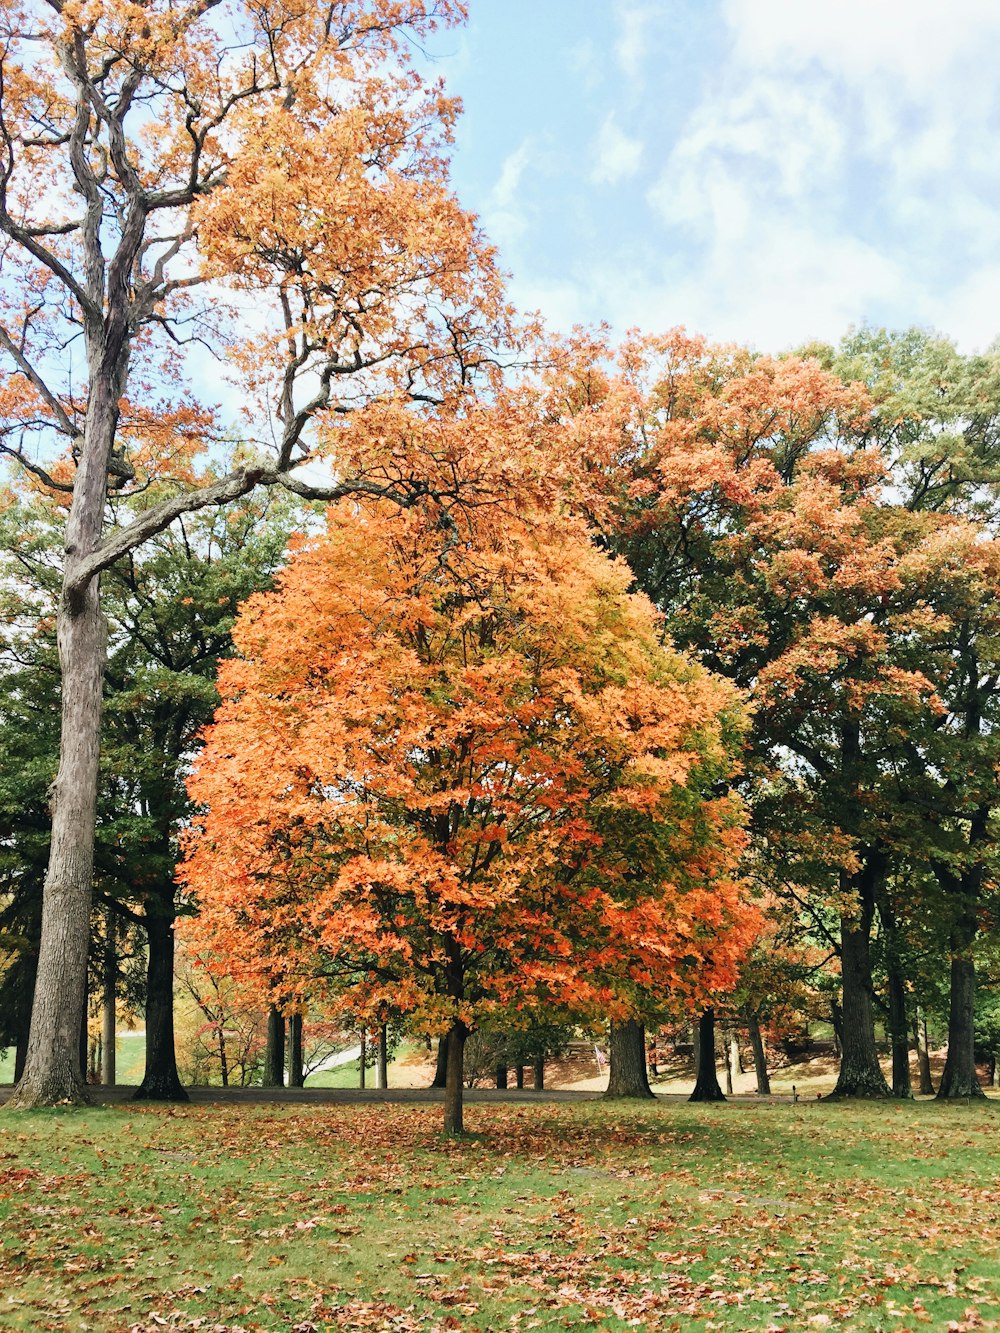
(569, 1214)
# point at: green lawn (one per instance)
(664, 1216)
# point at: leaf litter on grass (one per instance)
(364, 1217)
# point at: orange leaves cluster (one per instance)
(456, 768)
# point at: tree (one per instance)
(755, 511)
(286, 155)
(421, 753)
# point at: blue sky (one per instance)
(762, 170)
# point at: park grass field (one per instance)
(597, 1215)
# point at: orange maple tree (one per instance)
(456, 772)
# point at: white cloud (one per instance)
(504, 215)
(631, 46)
(839, 164)
(616, 155)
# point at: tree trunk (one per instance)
(296, 1075)
(759, 1058)
(959, 1079)
(500, 1075)
(382, 1068)
(734, 1065)
(109, 1027)
(519, 1076)
(706, 1088)
(441, 1070)
(161, 1081)
(860, 1072)
(900, 1033)
(923, 1055)
(274, 1052)
(223, 1057)
(453, 1119)
(627, 1049)
(538, 1064)
(362, 1062)
(899, 1028)
(52, 1070)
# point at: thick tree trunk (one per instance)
(274, 1052)
(627, 1048)
(923, 1054)
(899, 1027)
(759, 1058)
(52, 1070)
(109, 1028)
(382, 1067)
(519, 1076)
(959, 1079)
(706, 1088)
(161, 1081)
(538, 1065)
(860, 1072)
(296, 1074)
(455, 1081)
(363, 1061)
(441, 1069)
(500, 1077)
(900, 1032)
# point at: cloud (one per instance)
(839, 165)
(505, 214)
(616, 155)
(631, 46)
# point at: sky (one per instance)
(765, 171)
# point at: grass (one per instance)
(663, 1216)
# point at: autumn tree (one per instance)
(424, 750)
(287, 163)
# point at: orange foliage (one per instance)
(457, 770)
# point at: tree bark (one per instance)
(363, 1061)
(627, 1049)
(296, 1074)
(860, 1072)
(959, 1080)
(441, 1071)
(382, 1068)
(500, 1076)
(53, 1071)
(899, 1028)
(161, 1081)
(923, 1055)
(519, 1076)
(706, 1088)
(759, 1058)
(900, 1034)
(109, 1029)
(538, 1064)
(453, 1095)
(274, 1052)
